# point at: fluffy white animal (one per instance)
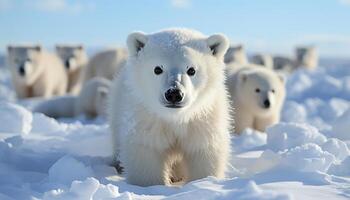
(283, 64)
(35, 72)
(306, 57)
(264, 60)
(74, 59)
(169, 108)
(236, 57)
(258, 94)
(91, 101)
(105, 64)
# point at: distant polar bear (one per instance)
(306, 57)
(264, 60)
(235, 57)
(258, 95)
(169, 108)
(91, 101)
(105, 64)
(74, 59)
(35, 72)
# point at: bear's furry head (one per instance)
(175, 71)
(24, 62)
(72, 56)
(261, 90)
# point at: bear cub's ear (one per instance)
(218, 45)
(136, 41)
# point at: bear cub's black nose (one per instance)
(267, 103)
(174, 95)
(67, 64)
(21, 71)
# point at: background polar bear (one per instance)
(264, 60)
(258, 94)
(35, 72)
(306, 57)
(74, 59)
(105, 64)
(235, 57)
(91, 101)
(169, 107)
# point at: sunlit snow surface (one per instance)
(306, 156)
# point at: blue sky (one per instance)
(273, 26)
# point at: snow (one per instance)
(305, 156)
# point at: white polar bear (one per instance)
(258, 95)
(35, 72)
(306, 57)
(169, 107)
(91, 101)
(264, 60)
(74, 59)
(105, 64)
(236, 57)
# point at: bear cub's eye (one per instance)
(257, 90)
(273, 91)
(191, 71)
(158, 70)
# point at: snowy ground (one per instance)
(304, 157)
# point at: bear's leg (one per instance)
(61, 88)
(207, 162)
(144, 166)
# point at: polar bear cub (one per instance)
(236, 57)
(105, 64)
(264, 60)
(306, 57)
(35, 72)
(74, 59)
(169, 108)
(91, 101)
(258, 94)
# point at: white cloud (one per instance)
(181, 3)
(345, 2)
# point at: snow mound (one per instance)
(336, 147)
(249, 139)
(76, 171)
(82, 190)
(289, 135)
(341, 126)
(341, 169)
(15, 119)
(307, 158)
(293, 112)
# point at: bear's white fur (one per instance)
(105, 64)
(74, 59)
(306, 57)
(251, 89)
(35, 72)
(264, 60)
(157, 140)
(91, 101)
